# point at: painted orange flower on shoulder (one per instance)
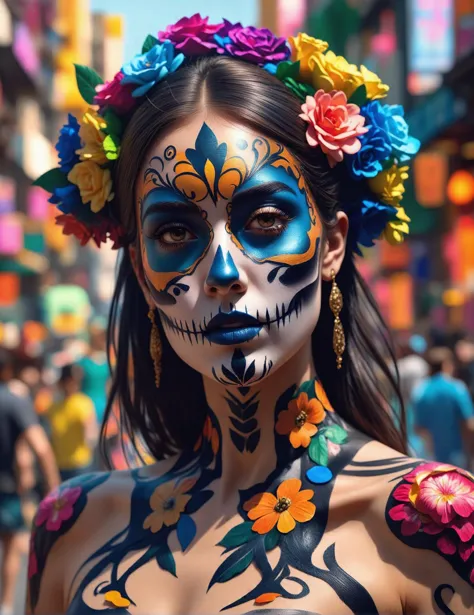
(300, 419)
(321, 395)
(167, 502)
(289, 506)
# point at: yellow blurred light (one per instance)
(460, 188)
(453, 297)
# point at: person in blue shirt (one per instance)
(444, 412)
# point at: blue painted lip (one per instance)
(229, 335)
(232, 328)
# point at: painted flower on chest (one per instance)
(438, 500)
(57, 508)
(290, 505)
(300, 420)
(168, 502)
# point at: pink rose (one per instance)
(57, 508)
(191, 35)
(334, 124)
(114, 94)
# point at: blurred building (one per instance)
(425, 50)
(40, 40)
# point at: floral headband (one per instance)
(340, 103)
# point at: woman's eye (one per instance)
(174, 235)
(268, 220)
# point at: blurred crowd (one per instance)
(51, 416)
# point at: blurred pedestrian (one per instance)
(73, 426)
(444, 412)
(412, 370)
(95, 369)
(18, 426)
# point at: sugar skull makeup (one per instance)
(230, 242)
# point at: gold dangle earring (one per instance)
(155, 346)
(336, 303)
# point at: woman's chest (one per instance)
(315, 570)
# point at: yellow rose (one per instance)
(375, 88)
(332, 72)
(304, 48)
(396, 229)
(92, 137)
(389, 184)
(94, 183)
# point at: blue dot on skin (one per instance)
(319, 475)
(176, 291)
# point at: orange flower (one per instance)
(300, 420)
(321, 395)
(167, 502)
(267, 598)
(116, 599)
(289, 505)
(210, 433)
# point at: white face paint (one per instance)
(230, 241)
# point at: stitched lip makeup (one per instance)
(233, 328)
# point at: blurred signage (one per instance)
(400, 314)
(24, 49)
(431, 43)
(67, 309)
(7, 194)
(430, 174)
(395, 257)
(11, 235)
(37, 204)
(464, 27)
(291, 16)
(9, 289)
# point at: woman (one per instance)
(281, 484)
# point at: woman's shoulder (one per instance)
(68, 518)
(423, 514)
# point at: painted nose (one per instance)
(223, 274)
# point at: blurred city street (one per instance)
(55, 294)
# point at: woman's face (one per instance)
(230, 242)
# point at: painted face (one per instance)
(230, 241)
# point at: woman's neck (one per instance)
(246, 416)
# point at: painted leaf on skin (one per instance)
(149, 43)
(238, 363)
(186, 530)
(252, 441)
(165, 559)
(229, 375)
(238, 535)
(87, 80)
(318, 450)
(272, 539)
(234, 565)
(54, 178)
(308, 388)
(238, 440)
(335, 433)
(250, 373)
(244, 427)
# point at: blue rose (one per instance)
(367, 221)
(68, 200)
(390, 119)
(375, 150)
(149, 68)
(68, 142)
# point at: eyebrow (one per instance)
(261, 191)
(165, 206)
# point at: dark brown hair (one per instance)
(169, 419)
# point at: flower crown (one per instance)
(340, 103)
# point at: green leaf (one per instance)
(149, 43)
(238, 535)
(318, 450)
(235, 564)
(336, 434)
(87, 80)
(272, 539)
(114, 125)
(359, 97)
(308, 388)
(54, 178)
(165, 559)
(111, 147)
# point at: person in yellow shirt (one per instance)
(74, 429)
